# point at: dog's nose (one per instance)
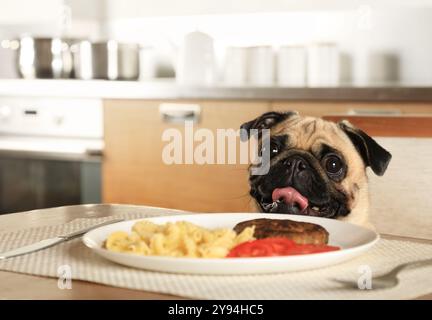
(296, 164)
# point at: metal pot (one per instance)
(44, 58)
(109, 60)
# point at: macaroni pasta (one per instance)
(177, 239)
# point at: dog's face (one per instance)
(316, 167)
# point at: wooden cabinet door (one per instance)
(400, 126)
(323, 108)
(133, 170)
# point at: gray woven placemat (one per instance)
(314, 284)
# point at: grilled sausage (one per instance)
(299, 232)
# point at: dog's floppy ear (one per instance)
(265, 121)
(372, 153)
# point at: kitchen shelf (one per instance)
(169, 90)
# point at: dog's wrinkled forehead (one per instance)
(308, 133)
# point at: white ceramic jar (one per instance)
(291, 66)
(196, 61)
(261, 66)
(323, 65)
(235, 69)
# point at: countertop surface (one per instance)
(168, 89)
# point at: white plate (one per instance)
(352, 239)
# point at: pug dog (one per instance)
(316, 167)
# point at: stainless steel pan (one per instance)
(109, 60)
(44, 58)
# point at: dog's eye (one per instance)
(333, 165)
(274, 150)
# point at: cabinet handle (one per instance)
(179, 112)
(94, 152)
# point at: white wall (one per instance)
(49, 18)
(88, 18)
(122, 9)
(405, 32)
(27, 11)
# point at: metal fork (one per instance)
(387, 280)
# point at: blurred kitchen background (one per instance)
(87, 88)
(246, 43)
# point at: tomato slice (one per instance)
(277, 246)
(251, 249)
(309, 248)
(262, 248)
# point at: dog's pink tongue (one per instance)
(290, 196)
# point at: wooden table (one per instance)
(21, 286)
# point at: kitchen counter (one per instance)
(167, 89)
